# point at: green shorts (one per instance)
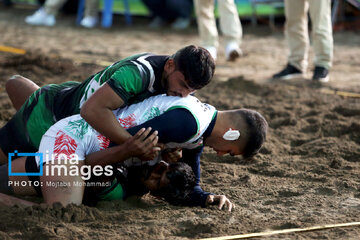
(115, 191)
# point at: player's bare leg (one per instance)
(3, 157)
(19, 90)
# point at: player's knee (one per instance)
(12, 82)
(3, 157)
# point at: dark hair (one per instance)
(256, 131)
(181, 183)
(196, 64)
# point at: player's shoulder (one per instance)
(190, 99)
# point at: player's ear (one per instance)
(170, 64)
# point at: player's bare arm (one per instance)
(97, 111)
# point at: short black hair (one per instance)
(181, 183)
(256, 131)
(196, 64)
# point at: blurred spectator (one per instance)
(91, 17)
(46, 14)
(164, 11)
(7, 3)
(229, 23)
(296, 32)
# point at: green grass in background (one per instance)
(138, 8)
(244, 8)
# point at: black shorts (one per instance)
(31, 167)
(13, 136)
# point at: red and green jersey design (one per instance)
(76, 132)
(64, 144)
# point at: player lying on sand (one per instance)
(128, 81)
(181, 122)
(172, 182)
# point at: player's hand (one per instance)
(143, 144)
(153, 153)
(221, 200)
(172, 155)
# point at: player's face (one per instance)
(177, 86)
(157, 178)
(174, 81)
(226, 147)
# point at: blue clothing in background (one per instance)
(169, 10)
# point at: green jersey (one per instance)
(134, 79)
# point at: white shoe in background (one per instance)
(157, 22)
(89, 22)
(212, 51)
(41, 17)
(232, 51)
(181, 23)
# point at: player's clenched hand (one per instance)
(143, 143)
(172, 155)
(221, 200)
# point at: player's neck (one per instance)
(219, 128)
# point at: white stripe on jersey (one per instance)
(142, 70)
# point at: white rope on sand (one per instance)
(340, 93)
(290, 230)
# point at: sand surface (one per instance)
(307, 173)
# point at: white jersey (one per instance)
(73, 135)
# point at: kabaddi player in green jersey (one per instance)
(128, 81)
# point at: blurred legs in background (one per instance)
(165, 11)
(230, 26)
(91, 17)
(46, 14)
(297, 36)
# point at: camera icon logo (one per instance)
(16, 154)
